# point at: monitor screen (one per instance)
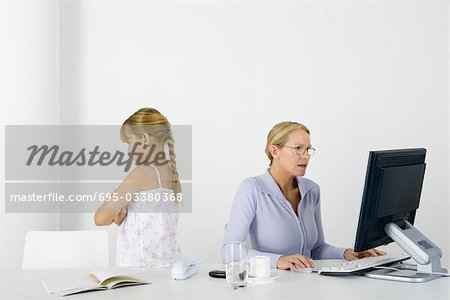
(392, 191)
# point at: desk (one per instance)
(27, 285)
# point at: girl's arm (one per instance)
(111, 211)
(120, 216)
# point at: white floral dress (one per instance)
(148, 236)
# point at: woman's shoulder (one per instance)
(308, 184)
(255, 184)
(249, 183)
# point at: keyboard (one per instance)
(359, 266)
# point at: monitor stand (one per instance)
(426, 254)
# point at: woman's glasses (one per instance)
(300, 150)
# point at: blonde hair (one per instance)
(151, 121)
(279, 135)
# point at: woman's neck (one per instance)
(286, 182)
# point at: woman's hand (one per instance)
(118, 219)
(293, 261)
(349, 254)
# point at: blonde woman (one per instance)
(147, 235)
(281, 209)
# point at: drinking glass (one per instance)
(236, 265)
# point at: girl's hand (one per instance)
(349, 254)
(292, 262)
(118, 219)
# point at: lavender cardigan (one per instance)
(261, 210)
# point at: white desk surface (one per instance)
(27, 285)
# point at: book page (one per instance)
(122, 281)
(103, 274)
(68, 282)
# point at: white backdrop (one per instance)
(361, 75)
(29, 94)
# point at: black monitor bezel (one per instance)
(377, 160)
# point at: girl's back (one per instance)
(148, 236)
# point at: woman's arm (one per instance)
(241, 215)
(322, 250)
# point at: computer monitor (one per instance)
(391, 197)
(391, 194)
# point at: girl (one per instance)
(147, 235)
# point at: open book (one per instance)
(97, 280)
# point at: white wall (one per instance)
(448, 94)
(362, 75)
(29, 81)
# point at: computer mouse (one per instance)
(304, 270)
(184, 268)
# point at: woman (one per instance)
(143, 204)
(281, 209)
